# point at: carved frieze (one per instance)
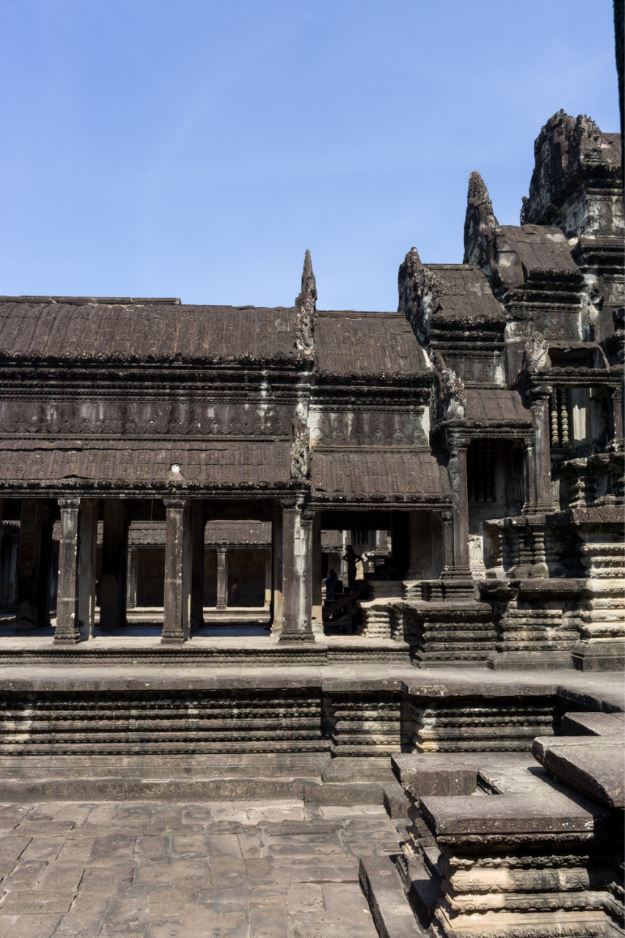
(182, 416)
(364, 427)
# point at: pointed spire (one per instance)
(306, 307)
(308, 292)
(479, 221)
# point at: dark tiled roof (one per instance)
(464, 293)
(538, 248)
(495, 405)
(144, 332)
(219, 464)
(367, 345)
(389, 476)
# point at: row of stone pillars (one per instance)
(222, 575)
(184, 569)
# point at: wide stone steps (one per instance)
(314, 778)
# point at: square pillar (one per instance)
(87, 547)
(222, 578)
(114, 565)
(33, 565)
(132, 578)
(296, 575)
(460, 504)
(447, 534)
(539, 497)
(177, 600)
(268, 578)
(276, 567)
(317, 594)
(68, 630)
(198, 525)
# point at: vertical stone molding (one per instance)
(447, 533)
(33, 568)
(67, 619)
(114, 565)
(87, 553)
(222, 578)
(268, 591)
(539, 455)
(276, 567)
(296, 575)
(198, 524)
(617, 442)
(177, 601)
(132, 578)
(317, 598)
(460, 504)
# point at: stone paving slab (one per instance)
(183, 869)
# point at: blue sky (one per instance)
(195, 148)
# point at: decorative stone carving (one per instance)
(306, 306)
(450, 390)
(479, 224)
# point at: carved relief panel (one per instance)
(368, 427)
(143, 417)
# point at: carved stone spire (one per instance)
(306, 307)
(479, 223)
(419, 291)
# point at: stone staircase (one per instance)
(381, 619)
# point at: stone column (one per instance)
(68, 630)
(617, 442)
(87, 548)
(447, 535)
(460, 504)
(276, 565)
(268, 590)
(131, 589)
(539, 454)
(317, 596)
(345, 539)
(33, 571)
(222, 578)
(177, 600)
(114, 565)
(198, 524)
(296, 575)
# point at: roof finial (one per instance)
(306, 306)
(479, 222)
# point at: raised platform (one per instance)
(248, 650)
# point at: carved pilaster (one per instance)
(539, 496)
(177, 600)
(67, 620)
(458, 445)
(296, 575)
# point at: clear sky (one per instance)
(195, 148)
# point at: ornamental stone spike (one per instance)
(306, 307)
(479, 221)
(308, 292)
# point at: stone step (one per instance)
(390, 909)
(128, 788)
(169, 778)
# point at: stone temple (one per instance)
(440, 720)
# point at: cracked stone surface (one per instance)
(163, 870)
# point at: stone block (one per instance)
(593, 768)
(389, 906)
(545, 812)
(593, 724)
(425, 774)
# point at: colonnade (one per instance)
(184, 569)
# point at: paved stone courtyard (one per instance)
(162, 869)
